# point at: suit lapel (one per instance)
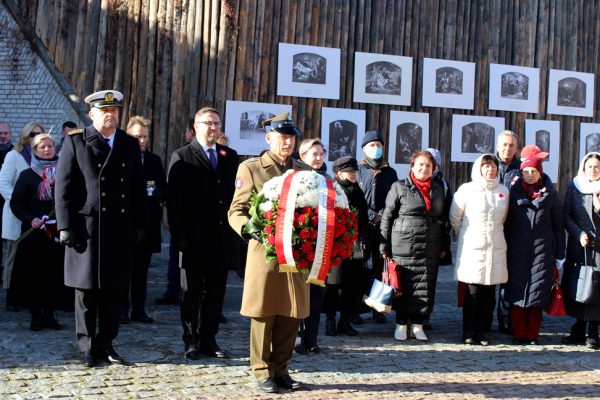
(95, 142)
(201, 156)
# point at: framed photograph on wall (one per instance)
(514, 88)
(308, 71)
(589, 138)
(382, 79)
(342, 131)
(243, 124)
(473, 136)
(448, 84)
(546, 136)
(571, 93)
(409, 132)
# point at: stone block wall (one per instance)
(28, 91)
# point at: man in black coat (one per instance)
(100, 209)
(156, 191)
(200, 189)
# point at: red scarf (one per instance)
(533, 191)
(424, 188)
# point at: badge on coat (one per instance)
(239, 183)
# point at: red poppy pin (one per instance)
(223, 153)
(500, 195)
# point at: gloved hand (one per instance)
(68, 238)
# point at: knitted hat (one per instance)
(371, 136)
(533, 156)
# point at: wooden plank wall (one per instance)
(171, 57)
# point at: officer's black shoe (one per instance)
(113, 357)
(286, 382)
(87, 359)
(212, 349)
(191, 352)
(267, 385)
(142, 317)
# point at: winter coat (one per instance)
(100, 194)
(535, 238)
(477, 216)
(580, 217)
(414, 237)
(14, 164)
(376, 184)
(509, 172)
(267, 292)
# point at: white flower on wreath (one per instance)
(308, 191)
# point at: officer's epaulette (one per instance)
(251, 160)
(75, 132)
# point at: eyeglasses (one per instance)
(212, 124)
(4, 133)
(34, 134)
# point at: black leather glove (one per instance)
(68, 238)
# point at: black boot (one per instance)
(577, 335)
(345, 328)
(37, 321)
(330, 327)
(50, 321)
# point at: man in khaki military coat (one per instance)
(276, 301)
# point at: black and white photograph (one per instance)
(473, 136)
(545, 135)
(342, 139)
(308, 71)
(408, 140)
(571, 93)
(448, 83)
(383, 79)
(448, 80)
(514, 88)
(342, 130)
(409, 132)
(309, 68)
(514, 85)
(589, 138)
(243, 124)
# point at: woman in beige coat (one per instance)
(477, 215)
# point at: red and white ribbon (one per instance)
(284, 223)
(324, 244)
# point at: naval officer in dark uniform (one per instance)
(100, 204)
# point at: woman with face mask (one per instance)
(375, 178)
(535, 236)
(582, 221)
(414, 234)
(477, 216)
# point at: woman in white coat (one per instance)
(16, 160)
(477, 215)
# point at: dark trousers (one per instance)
(173, 275)
(309, 327)
(479, 303)
(96, 318)
(202, 296)
(139, 283)
(350, 286)
(526, 322)
(578, 329)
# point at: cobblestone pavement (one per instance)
(373, 365)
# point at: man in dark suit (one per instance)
(100, 208)
(200, 189)
(156, 191)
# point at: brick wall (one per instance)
(28, 92)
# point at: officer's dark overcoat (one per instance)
(101, 196)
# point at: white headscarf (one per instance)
(582, 183)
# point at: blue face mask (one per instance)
(373, 152)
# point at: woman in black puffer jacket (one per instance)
(535, 237)
(414, 234)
